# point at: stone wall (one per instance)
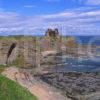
(51, 41)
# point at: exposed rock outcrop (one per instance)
(78, 86)
(21, 52)
(27, 51)
(5, 54)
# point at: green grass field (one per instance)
(10, 90)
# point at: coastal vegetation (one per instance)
(10, 90)
(2, 67)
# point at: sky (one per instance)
(34, 17)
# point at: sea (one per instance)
(81, 64)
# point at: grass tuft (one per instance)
(10, 90)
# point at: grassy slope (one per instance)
(10, 90)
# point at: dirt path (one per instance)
(40, 89)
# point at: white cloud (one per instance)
(69, 22)
(93, 2)
(59, 15)
(29, 6)
(53, 0)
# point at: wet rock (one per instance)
(75, 85)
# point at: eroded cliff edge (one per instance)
(18, 51)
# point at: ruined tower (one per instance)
(52, 33)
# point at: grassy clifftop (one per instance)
(16, 37)
(10, 90)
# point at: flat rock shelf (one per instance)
(76, 85)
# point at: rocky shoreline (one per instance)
(75, 85)
(40, 89)
(70, 85)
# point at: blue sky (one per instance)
(33, 17)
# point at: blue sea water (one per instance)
(95, 40)
(81, 65)
(76, 65)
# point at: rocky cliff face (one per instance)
(4, 48)
(27, 51)
(22, 54)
